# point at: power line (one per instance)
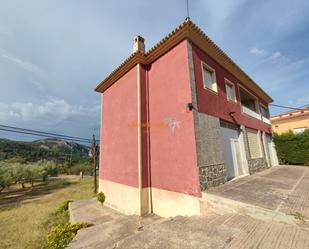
(289, 107)
(43, 134)
(307, 106)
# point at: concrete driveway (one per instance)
(113, 230)
(282, 189)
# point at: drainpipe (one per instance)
(139, 138)
(148, 144)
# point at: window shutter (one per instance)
(254, 143)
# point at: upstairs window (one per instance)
(248, 100)
(230, 91)
(209, 78)
(264, 111)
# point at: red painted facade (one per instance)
(216, 104)
(118, 155)
(168, 145)
(172, 143)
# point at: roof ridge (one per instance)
(186, 30)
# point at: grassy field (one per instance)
(26, 214)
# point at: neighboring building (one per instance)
(296, 121)
(177, 120)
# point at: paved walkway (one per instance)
(113, 230)
(282, 189)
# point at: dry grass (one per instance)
(26, 215)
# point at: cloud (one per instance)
(257, 51)
(54, 109)
(300, 102)
(275, 56)
(26, 65)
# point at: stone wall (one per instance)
(209, 148)
(212, 175)
(257, 165)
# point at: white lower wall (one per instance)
(126, 199)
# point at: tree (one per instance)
(5, 178)
(18, 174)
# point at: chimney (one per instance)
(139, 45)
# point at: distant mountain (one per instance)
(50, 149)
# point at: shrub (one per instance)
(64, 206)
(293, 148)
(61, 235)
(101, 197)
(77, 168)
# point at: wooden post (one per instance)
(94, 157)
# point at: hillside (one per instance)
(50, 149)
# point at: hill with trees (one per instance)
(51, 149)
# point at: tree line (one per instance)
(12, 173)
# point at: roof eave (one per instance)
(187, 30)
(127, 65)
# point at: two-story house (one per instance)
(176, 120)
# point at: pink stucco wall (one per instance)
(217, 104)
(172, 141)
(118, 155)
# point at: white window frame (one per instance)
(228, 82)
(214, 87)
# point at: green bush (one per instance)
(101, 197)
(75, 169)
(61, 235)
(64, 206)
(293, 148)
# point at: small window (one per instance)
(209, 78)
(230, 91)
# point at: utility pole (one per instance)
(71, 152)
(94, 157)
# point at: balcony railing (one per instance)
(254, 114)
(266, 120)
(251, 113)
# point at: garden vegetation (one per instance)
(293, 148)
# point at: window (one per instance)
(248, 100)
(264, 111)
(209, 78)
(230, 91)
(254, 143)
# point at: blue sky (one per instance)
(53, 53)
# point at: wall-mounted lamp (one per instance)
(232, 114)
(190, 106)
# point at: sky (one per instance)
(53, 53)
